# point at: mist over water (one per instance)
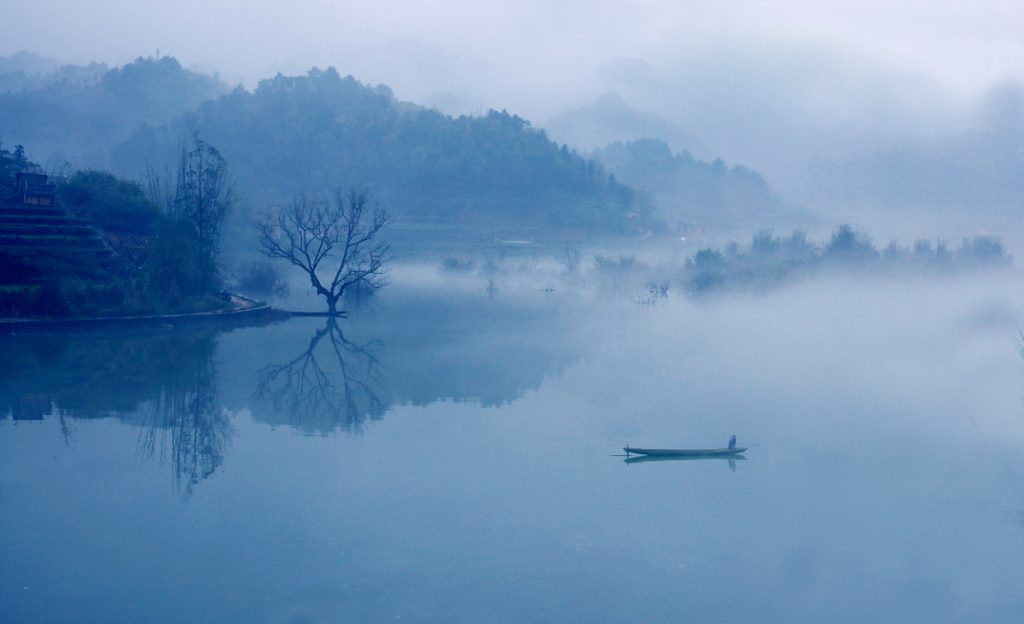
(466, 470)
(595, 226)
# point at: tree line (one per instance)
(770, 259)
(166, 236)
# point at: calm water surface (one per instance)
(450, 457)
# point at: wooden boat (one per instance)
(718, 452)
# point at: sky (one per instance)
(740, 75)
(964, 46)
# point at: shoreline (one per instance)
(243, 307)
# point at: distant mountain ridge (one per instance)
(77, 113)
(687, 189)
(980, 167)
(27, 64)
(610, 118)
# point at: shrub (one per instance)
(454, 264)
(177, 272)
(622, 264)
(114, 205)
(982, 250)
(849, 245)
(262, 278)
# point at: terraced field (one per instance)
(37, 242)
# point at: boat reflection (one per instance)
(732, 459)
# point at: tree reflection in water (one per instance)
(169, 382)
(163, 382)
(330, 385)
(189, 419)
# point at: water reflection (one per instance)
(187, 423)
(732, 459)
(162, 380)
(181, 386)
(331, 384)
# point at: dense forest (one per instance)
(687, 189)
(312, 134)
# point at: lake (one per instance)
(451, 453)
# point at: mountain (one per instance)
(609, 118)
(687, 189)
(980, 168)
(321, 132)
(78, 113)
(27, 64)
(67, 76)
(315, 133)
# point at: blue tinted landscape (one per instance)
(456, 458)
(492, 312)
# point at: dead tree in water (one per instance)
(335, 243)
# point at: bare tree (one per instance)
(569, 258)
(158, 187)
(204, 192)
(335, 243)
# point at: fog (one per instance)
(965, 49)
(334, 311)
(883, 420)
(771, 85)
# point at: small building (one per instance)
(31, 407)
(34, 189)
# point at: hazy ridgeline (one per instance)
(72, 116)
(459, 185)
(686, 189)
(493, 174)
(314, 134)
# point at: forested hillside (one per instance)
(78, 113)
(320, 132)
(310, 134)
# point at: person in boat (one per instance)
(732, 442)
